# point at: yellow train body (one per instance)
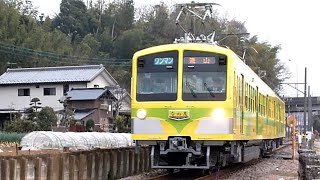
(198, 105)
(262, 116)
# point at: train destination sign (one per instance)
(163, 61)
(199, 60)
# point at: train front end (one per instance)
(180, 105)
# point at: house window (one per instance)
(49, 91)
(96, 86)
(65, 88)
(24, 92)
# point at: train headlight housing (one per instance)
(141, 113)
(218, 114)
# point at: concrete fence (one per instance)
(87, 165)
(309, 164)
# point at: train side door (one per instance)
(267, 115)
(241, 94)
(257, 103)
(235, 102)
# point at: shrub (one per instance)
(46, 119)
(121, 125)
(90, 125)
(11, 137)
(21, 126)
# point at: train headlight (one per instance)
(218, 114)
(141, 113)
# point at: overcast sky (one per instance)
(292, 24)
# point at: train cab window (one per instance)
(157, 77)
(204, 76)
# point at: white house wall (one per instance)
(102, 80)
(10, 99)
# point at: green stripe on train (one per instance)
(162, 114)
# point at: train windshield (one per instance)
(157, 77)
(204, 76)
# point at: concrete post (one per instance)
(147, 156)
(83, 167)
(98, 166)
(49, 168)
(13, 168)
(37, 169)
(114, 163)
(4, 169)
(90, 159)
(120, 163)
(54, 167)
(131, 162)
(72, 164)
(126, 163)
(23, 169)
(61, 167)
(137, 162)
(106, 165)
(142, 160)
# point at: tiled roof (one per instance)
(86, 94)
(51, 74)
(82, 114)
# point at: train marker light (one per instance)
(141, 113)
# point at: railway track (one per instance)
(221, 173)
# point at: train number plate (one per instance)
(179, 114)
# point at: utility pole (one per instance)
(289, 100)
(305, 102)
(304, 136)
(310, 120)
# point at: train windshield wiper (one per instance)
(209, 90)
(191, 90)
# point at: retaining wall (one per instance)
(87, 165)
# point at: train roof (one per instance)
(191, 46)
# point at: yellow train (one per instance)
(199, 106)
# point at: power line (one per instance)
(58, 58)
